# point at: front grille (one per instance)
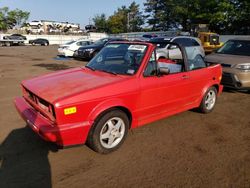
(41, 103)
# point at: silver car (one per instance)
(193, 47)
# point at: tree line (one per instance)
(12, 18)
(222, 16)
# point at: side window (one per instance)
(78, 43)
(84, 43)
(151, 68)
(179, 41)
(183, 41)
(195, 60)
(195, 43)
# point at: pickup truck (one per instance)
(11, 40)
(123, 87)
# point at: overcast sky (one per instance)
(76, 11)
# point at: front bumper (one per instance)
(65, 52)
(83, 54)
(236, 81)
(63, 135)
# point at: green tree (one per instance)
(125, 19)
(134, 18)
(10, 19)
(118, 21)
(160, 14)
(101, 22)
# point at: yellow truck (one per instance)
(210, 41)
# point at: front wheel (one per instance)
(109, 132)
(208, 100)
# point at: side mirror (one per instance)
(163, 70)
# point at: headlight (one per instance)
(243, 67)
(89, 49)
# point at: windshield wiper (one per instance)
(110, 72)
(91, 68)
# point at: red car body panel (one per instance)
(146, 99)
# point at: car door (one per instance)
(199, 75)
(161, 95)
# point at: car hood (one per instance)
(55, 86)
(227, 59)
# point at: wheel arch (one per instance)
(108, 106)
(216, 85)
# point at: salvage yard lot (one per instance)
(186, 150)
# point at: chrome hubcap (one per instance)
(210, 100)
(112, 132)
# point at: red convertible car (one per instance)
(123, 87)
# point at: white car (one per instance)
(35, 23)
(35, 30)
(69, 48)
(192, 45)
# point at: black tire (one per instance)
(101, 126)
(204, 107)
(33, 44)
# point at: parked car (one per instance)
(55, 30)
(35, 31)
(88, 52)
(193, 45)
(69, 48)
(122, 87)
(39, 41)
(35, 23)
(15, 37)
(234, 58)
(150, 36)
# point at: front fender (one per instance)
(105, 105)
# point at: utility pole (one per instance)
(128, 18)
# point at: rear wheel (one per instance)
(109, 132)
(209, 100)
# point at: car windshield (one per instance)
(236, 47)
(117, 58)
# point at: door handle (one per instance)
(185, 77)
